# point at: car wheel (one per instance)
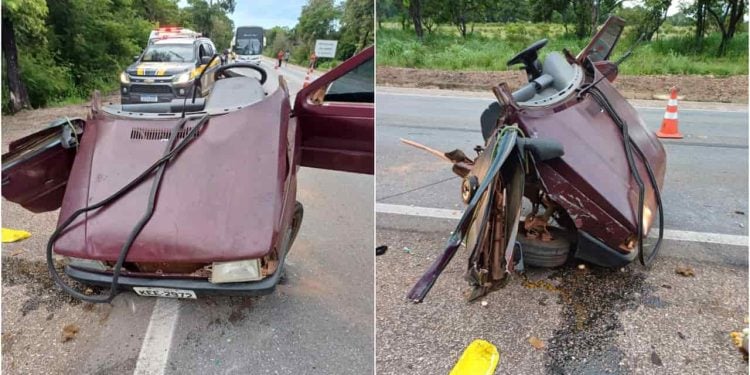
(546, 254)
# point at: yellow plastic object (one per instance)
(479, 358)
(13, 235)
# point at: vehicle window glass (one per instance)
(356, 86)
(168, 53)
(248, 41)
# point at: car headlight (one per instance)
(124, 77)
(182, 78)
(90, 264)
(237, 271)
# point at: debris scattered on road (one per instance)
(740, 340)
(16, 252)
(380, 250)
(88, 291)
(407, 250)
(686, 271)
(543, 284)
(681, 335)
(69, 332)
(480, 357)
(581, 266)
(738, 212)
(536, 342)
(13, 235)
(485, 303)
(655, 359)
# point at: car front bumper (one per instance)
(167, 92)
(200, 287)
(595, 251)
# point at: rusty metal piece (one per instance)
(461, 169)
(167, 267)
(458, 156)
(462, 165)
(505, 96)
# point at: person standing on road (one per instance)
(286, 58)
(225, 57)
(280, 56)
(313, 59)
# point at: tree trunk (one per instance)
(700, 23)
(19, 97)
(415, 11)
(724, 34)
(738, 10)
(364, 40)
(723, 45)
(594, 17)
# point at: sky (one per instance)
(673, 8)
(265, 13)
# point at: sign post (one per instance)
(326, 48)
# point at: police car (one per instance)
(168, 66)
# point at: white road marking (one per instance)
(669, 234)
(154, 354)
(380, 91)
(437, 213)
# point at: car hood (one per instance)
(155, 69)
(222, 198)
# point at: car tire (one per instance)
(546, 254)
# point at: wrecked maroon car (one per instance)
(577, 151)
(194, 196)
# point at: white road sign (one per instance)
(326, 48)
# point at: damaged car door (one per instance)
(335, 115)
(36, 167)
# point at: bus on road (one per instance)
(247, 44)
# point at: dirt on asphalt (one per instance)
(591, 321)
(35, 312)
(731, 89)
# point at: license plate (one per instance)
(149, 98)
(164, 292)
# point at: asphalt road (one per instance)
(595, 320)
(319, 321)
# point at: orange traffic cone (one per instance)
(307, 80)
(669, 126)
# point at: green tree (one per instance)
(278, 39)
(316, 21)
(210, 19)
(163, 12)
(20, 18)
(726, 14)
(97, 38)
(356, 27)
(655, 15)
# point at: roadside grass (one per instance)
(490, 46)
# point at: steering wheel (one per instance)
(528, 57)
(220, 72)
